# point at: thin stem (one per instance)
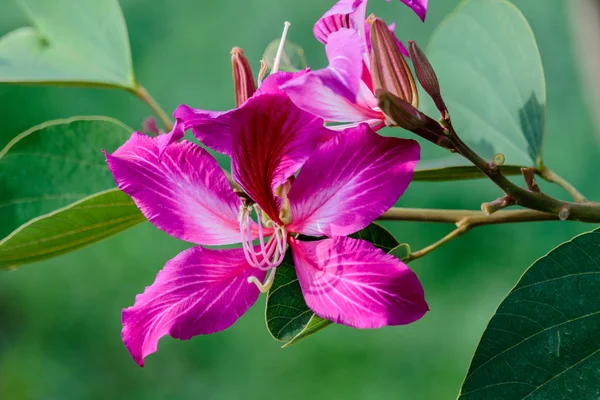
(143, 95)
(464, 220)
(461, 230)
(552, 177)
(585, 212)
(473, 218)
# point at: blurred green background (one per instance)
(60, 319)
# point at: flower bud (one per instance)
(404, 115)
(426, 76)
(389, 69)
(243, 80)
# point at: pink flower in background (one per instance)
(343, 92)
(418, 6)
(343, 185)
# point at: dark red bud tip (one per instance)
(243, 80)
(426, 76)
(389, 69)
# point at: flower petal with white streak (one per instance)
(351, 282)
(200, 291)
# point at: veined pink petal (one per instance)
(418, 6)
(351, 282)
(184, 192)
(272, 138)
(211, 128)
(200, 291)
(349, 181)
(336, 93)
(344, 14)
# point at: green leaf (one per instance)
(543, 342)
(288, 318)
(85, 222)
(401, 252)
(378, 236)
(46, 177)
(82, 42)
(293, 58)
(492, 80)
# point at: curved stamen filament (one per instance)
(271, 253)
(264, 288)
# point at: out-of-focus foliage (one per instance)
(72, 42)
(60, 320)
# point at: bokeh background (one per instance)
(60, 319)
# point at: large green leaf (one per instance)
(288, 317)
(543, 342)
(46, 177)
(492, 80)
(87, 221)
(70, 42)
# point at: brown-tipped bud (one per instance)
(400, 113)
(426, 76)
(243, 80)
(389, 69)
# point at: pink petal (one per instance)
(336, 93)
(344, 14)
(272, 138)
(200, 291)
(418, 6)
(165, 139)
(184, 192)
(349, 181)
(211, 128)
(273, 82)
(351, 282)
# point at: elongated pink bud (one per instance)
(388, 67)
(426, 76)
(243, 80)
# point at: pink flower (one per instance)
(343, 185)
(418, 6)
(343, 92)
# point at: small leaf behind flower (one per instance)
(81, 42)
(293, 58)
(288, 318)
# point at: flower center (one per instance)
(268, 254)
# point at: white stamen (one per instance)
(271, 254)
(264, 288)
(286, 27)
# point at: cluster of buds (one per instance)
(395, 88)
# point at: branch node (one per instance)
(529, 176)
(497, 205)
(564, 214)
